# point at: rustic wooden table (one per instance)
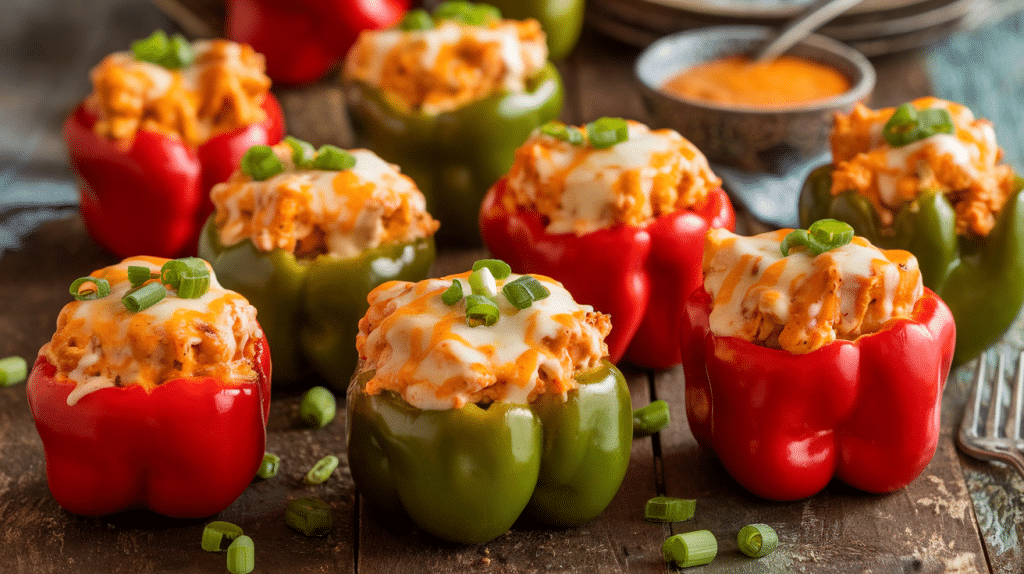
(960, 515)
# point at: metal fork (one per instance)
(996, 436)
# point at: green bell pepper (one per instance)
(980, 279)
(562, 20)
(455, 157)
(467, 474)
(310, 309)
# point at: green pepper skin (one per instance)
(466, 475)
(981, 280)
(310, 309)
(562, 20)
(455, 157)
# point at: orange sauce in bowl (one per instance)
(735, 80)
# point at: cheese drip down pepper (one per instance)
(465, 428)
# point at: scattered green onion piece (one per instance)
(416, 19)
(137, 275)
(303, 152)
(189, 276)
(669, 509)
(101, 288)
(483, 14)
(481, 282)
(241, 556)
(144, 297)
(216, 532)
(690, 549)
(179, 53)
(606, 132)
(534, 291)
(499, 269)
(13, 370)
(757, 540)
(481, 310)
(318, 407)
(261, 163)
(333, 158)
(902, 127)
(453, 10)
(800, 237)
(153, 48)
(269, 466)
(452, 294)
(193, 287)
(933, 121)
(322, 470)
(310, 516)
(560, 131)
(831, 233)
(651, 418)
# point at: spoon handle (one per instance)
(800, 27)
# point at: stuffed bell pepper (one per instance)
(303, 39)
(305, 234)
(927, 177)
(449, 98)
(483, 396)
(154, 392)
(809, 356)
(617, 212)
(164, 123)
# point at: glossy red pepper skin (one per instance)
(638, 275)
(303, 39)
(153, 197)
(187, 449)
(864, 411)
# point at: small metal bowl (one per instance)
(755, 139)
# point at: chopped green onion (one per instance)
(152, 48)
(310, 516)
(499, 269)
(481, 310)
(101, 288)
(241, 556)
(933, 121)
(560, 131)
(651, 418)
(261, 163)
(194, 287)
(333, 158)
(523, 291)
(13, 370)
(416, 19)
(483, 14)
(831, 233)
(144, 297)
(269, 466)
(757, 540)
(799, 237)
(303, 152)
(453, 294)
(690, 549)
(318, 407)
(481, 282)
(322, 470)
(467, 13)
(179, 53)
(189, 276)
(908, 124)
(606, 132)
(216, 532)
(669, 509)
(137, 275)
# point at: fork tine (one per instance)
(969, 423)
(1013, 430)
(995, 401)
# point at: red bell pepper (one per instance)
(864, 411)
(186, 449)
(638, 275)
(153, 197)
(302, 39)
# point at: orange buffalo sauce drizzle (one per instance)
(780, 82)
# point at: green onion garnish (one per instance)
(669, 509)
(241, 556)
(333, 158)
(831, 232)
(416, 19)
(189, 276)
(690, 549)
(261, 163)
(908, 124)
(453, 294)
(484, 14)
(523, 291)
(158, 48)
(933, 121)
(303, 152)
(318, 407)
(481, 282)
(216, 532)
(101, 288)
(799, 237)
(269, 466)
(558, 130)
(757, 540)
(179, 53)
(137, 275)
(467, 13)
(481, 310)
(13, 370)
(144, 297)
(309, 516)
(651, 418)
(322, 470)
(499, 269)
(606, 132)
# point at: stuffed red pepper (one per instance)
(154, 392)
(164, 123)
(809, 356)
(617, 212)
